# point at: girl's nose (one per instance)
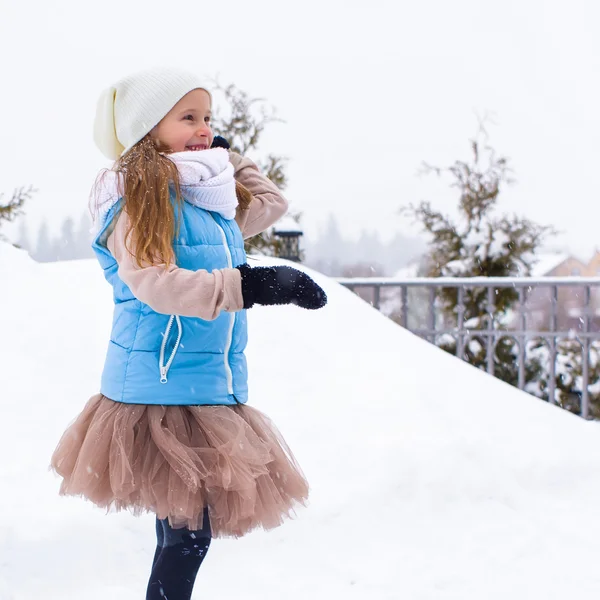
(203, 130)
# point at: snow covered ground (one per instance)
(429, 478)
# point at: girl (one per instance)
(169, 431)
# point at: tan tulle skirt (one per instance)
(176, 460)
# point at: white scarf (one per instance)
(206, 179)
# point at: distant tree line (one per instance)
(71, 242)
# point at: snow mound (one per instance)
(429, 478)
(13, 258)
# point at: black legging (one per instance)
(179, 554)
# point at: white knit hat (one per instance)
(131, 108)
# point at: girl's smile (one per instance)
(196, 147)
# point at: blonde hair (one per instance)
(147, 177)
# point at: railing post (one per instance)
(460, 321)
(404, 302)
(522, 338)
(552, 360)
(377, 296)
(585, 354)
(490, 330)
(431, 315)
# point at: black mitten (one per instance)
(280, 285)
(220, 142)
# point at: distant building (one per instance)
(593, 267)
(570, 299)
(558, 265)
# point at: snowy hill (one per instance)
(429, 478)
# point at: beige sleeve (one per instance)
(176, 291)
(268, 205)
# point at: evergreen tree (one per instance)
(329, 254)
(23, 239)
(83, 237)
(480, 243)
(370, 248)
(569, 374)
(65, 248)
(10, 210)
(242, 123)
(43, 249)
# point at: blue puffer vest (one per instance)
(166, 359)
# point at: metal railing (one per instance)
(495, 323)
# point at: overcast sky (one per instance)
(368, 90)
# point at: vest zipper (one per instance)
(164, 369)
(228, 372)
